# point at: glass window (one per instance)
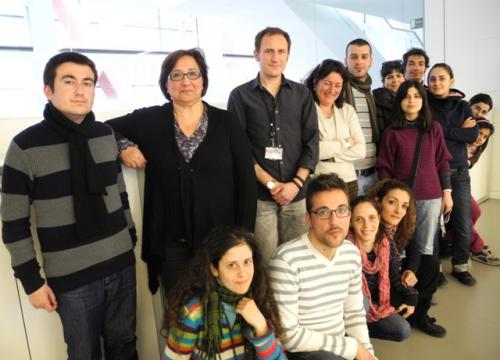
(128, 40)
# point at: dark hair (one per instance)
(481, 97)
(199, 281)
(271, 31)
(406, 227)
(446, 67)
(482, 123)
(415, 52)
(358, 42)
(49, 73)
(324, 182)
(321, 71)
(389, 66)
(361, 199)
(424, 120)
(171, 60)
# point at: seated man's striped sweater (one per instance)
(185, 341)
(320, 300)
(37, 174)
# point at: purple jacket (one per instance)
(396, 153)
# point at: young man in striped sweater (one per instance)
(316, 280)
(358, 60)
(66, 169)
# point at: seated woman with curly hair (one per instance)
(224, 308)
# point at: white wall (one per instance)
(466, 35)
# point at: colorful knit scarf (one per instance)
(214, 313)
(381, 266)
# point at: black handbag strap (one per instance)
(416, 159)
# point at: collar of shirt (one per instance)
(256, 82)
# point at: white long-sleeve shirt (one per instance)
(320, 300)
(335, 155)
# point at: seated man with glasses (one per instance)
(316, 280)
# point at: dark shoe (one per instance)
(428, 325)
(464, 277)
(442, 280)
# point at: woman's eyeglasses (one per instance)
(179, 75)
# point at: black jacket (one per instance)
(384, 100)
(186, 200)
(451, 113)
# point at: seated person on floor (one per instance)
(224, 307)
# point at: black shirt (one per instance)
(288, 121)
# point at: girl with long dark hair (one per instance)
(413, 149)
(224, 308)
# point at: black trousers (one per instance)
(427, 284)
(177, 257)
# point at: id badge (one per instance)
(274, 153)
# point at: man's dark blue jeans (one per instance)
(460, 220)
(107, 308)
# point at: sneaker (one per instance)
(442, 280)
(464, 277)
(428, 325)
(486, 257)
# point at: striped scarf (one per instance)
(381, 266)
(214, 313)
(365, 88)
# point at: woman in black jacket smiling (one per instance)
(199, 171)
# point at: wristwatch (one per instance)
(270, 184)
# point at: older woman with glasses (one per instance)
(199, 169)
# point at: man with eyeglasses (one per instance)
(279, 118)
(316, 280)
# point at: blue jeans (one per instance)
(460, 216)
(394, 328)
(428, 213)
(366, 182)
(105, 307)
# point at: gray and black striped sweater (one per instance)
(37, 175)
